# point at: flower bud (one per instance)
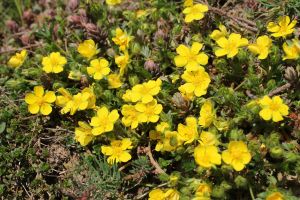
(12, 25)
(133, 80)
(218, 192)
(241, 182)
(151, 67)
(291, 75)
(28, 16)
(276, 152)
(111, 52)
(136, 48)
(73, 4)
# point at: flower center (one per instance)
(274, 106)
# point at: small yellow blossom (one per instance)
(92, 97)
(208, 139)
(83, 133)
(150, 111)
(217, 34)
(262, 47)
(156, 194)
(113, 2)
(168, 142)
(197, 82)
(273, 108)
(237, 155)
(188, 3)
(275, 196)
(98, 68)
(145, 92)
(104, 121)
(18, 59)
(188, 133)
(63, 99)
(78, 102)
(122, 61)
(283, 28)
(40, 101)
(172, 194)
(291, 50)
(54, 63)
(122, 39)
(88, 49)
(190, 58)
(207, 114)
(230, 46)
(203, 192)
(195, 12)
(207, 156)
(117, 151)
(131, 117)
(114, 81)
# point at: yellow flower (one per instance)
(104, 121)
(156, 194)
(275, 196)
(87, 49)
(291, 50)
(207, 156)
(172, 194)
(188, 3)
(114, 81)
(145, 92)
(188, 133)
(18, 59)
(208, 139)
(262, 47)
(113, 2)
(64, 98)
(117, 151)
(86, 99)
(283, 28)
(230, 46)
(207, 114)
(217, 34)
(237, 155)
(190, 58)
(122, 39)
(79, 101)
(131, 117)
(83, 133)
(40, 101)
(195, 12)
(98, 68)
(203, 190)
(54, 63)
(273, 108)
(197, 82)
(150, 111)
(122, 61)
(168, 142)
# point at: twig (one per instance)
(280, 89)
(249, 94)
(19, 49)
(241, 21)
(153, 161)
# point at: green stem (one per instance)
(19, 8)
(251, 193)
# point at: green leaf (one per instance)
(2, 127)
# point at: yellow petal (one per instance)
(201, 7)
(38, 91)
(183, 50)
(113, 116)
(50, 97)
(220, 52)
(226, 156)
(196, 47)
(284, 110)
(266, 114)
(202, 59)
(125, 156)
(246, 157)
(30, 98)
(180, 61)
(33, 108)
(276, 116)
(265, 101)
(46, 109)
(237, 165)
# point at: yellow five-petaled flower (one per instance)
(117, 151)
(98, 68)
(54, 63)
(262, 47)
(195, 12)
(283, 28)
(230, 46)
(273, 108)
(190, 58)
(87, 49)
(237, 155)
(39, 101)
